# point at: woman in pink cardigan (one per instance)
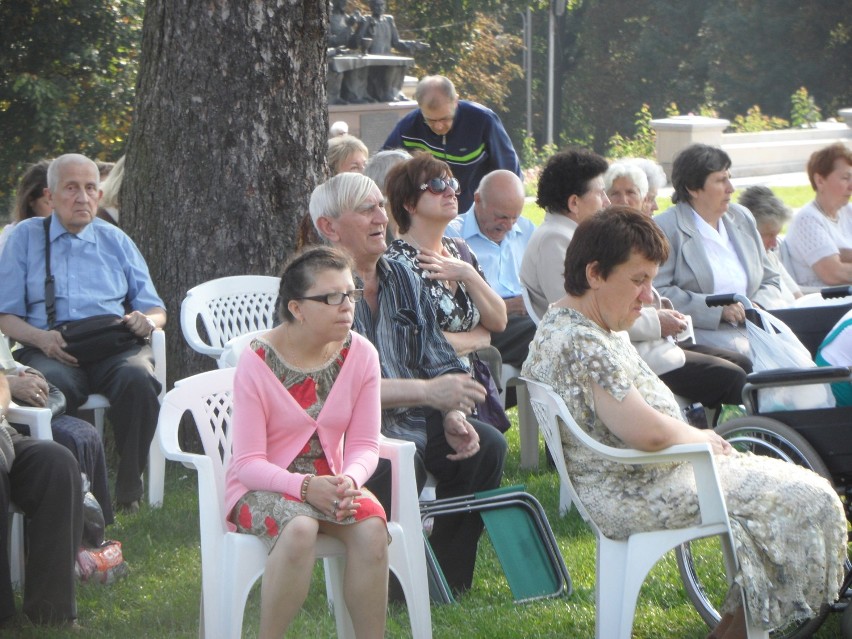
(306, 437)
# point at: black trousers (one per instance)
(711, 376)
(45, 483)
(454, 538)
(514, 342)
(127, 380)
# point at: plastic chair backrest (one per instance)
(209, 399)
(228, 307)
(528, 305)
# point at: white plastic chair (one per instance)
(227, 307)
(38, 420)
(528, 305)
(99, 404)
(231, 562)
(623, 564)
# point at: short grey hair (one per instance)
(631, 172)
(434, 85)
(378, 166)
(69, 158)
(765, 206)
(343, 192)
(654, 172)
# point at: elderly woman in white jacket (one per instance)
(715, 249)
(710, 376)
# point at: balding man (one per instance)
(498, 235)
(96, 270)
(466, 135)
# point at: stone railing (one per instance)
(765, 153)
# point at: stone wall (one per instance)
(765, 153)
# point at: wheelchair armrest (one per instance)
(800, 376)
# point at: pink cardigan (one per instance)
(271, 428)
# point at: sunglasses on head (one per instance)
(439, 185)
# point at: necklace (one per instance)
(835, 219)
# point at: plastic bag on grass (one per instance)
(103, 565)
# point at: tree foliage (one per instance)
(470, 43)
(67, 76)
(720, 57)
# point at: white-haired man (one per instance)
(427, 392)
(96, 270)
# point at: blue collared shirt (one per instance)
(95, 272)
(501, 262)
(409, 341)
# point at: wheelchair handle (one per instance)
(830, 292)
(724, 299)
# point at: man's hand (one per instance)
(515, 305)
(455, 391)
(139, 324)
(460, 435)
(28, 388)
(51, 344)
(671, 322)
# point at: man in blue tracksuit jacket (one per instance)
(466, 135)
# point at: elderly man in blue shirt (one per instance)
(97, 270)
(495, 231)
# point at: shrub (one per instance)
(755, 121)
(804, 112)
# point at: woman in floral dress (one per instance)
(306, 434)
(788, 524)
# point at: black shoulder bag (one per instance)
(91, 339)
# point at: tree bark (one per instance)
(228, 141)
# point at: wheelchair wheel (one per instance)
(700, 562)
(769, 437)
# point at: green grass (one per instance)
(160, 596)
(793, 196)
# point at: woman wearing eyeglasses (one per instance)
(422, 198)
(306, 430)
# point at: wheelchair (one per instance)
(813, 438)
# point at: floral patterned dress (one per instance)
(788, 524)
(456, 311)
(265, 513)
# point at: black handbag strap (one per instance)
(49, 286)
(463, 249)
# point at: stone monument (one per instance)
(361, 65)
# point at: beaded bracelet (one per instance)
(304, 492)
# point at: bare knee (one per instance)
(372, 540)
(298, 539)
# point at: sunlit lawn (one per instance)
(160, 596)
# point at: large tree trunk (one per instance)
(228, 141)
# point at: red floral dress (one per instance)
(265, 513)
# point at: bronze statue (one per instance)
(362, 67)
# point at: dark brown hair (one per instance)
(300, 272)
(609, 238)
(402, 185)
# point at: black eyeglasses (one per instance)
(336, 299)
(439, 185)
